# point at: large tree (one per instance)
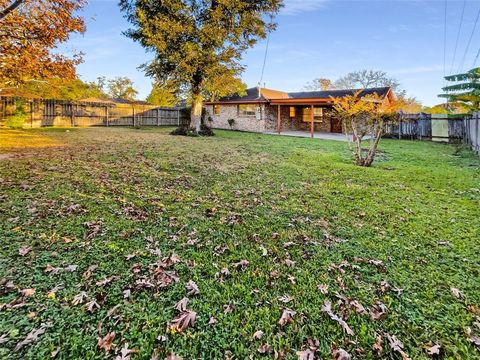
(29, 33)
(121, 87)
(197, 42)
(162, 94)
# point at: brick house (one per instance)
(265, 110)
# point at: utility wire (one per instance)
(458, 36)
(264, 59)
(469, 41)
(445, 42)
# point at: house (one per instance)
(265, 110)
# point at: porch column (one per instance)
(311, 122)
(279, 122)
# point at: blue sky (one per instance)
(315, 38)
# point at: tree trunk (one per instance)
(196, 114)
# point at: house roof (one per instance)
(263, 95)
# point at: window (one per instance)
(292, 111)
(317, 114)
(247, 110)
(216, 109)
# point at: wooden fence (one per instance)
(41, 112)
(472, 132)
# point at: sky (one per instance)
(316, 38)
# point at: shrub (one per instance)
(206, 131)
(17, 120)
(231, 122)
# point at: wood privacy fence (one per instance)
(472, 132)
(42, 112)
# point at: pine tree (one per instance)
(197, 42)
(466, 91)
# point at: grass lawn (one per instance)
(104, 230)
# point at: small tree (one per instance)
(363, 79)
(319, 84)
(466, 91)
(195, 43)
(121, 88)
(366, 117)
(162, 94)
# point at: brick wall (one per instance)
(268, 121)
(243, 123)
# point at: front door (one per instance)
(335, 125)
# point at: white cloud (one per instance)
(294, 7)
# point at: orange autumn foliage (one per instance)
(29, 36)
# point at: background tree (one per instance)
(63, 89)
(466, 91)
(319, 84)
(195, 42)
(7, 8)
(363, 79)
(162, 94)
(366, 117)
(29, 33)
(121, 87)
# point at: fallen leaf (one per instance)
(340, 354)
(285, 298)
(182, 304)
(24, 250)
(287, 317)
(264, 349)
(71, 268)
(212, 320)
(378, 311)
(377, 347)
(433, 349)
(27, 292)
(105, 343)
(79, 298)
(457, 293)
(227, 309)
(127, 293)
(327, 308)
(323, 289)
(172, 356)
(396, 345)
(242, 264)
(289, 263)
(32, 336)
(183, 321)
(257, 335)
(192, 288)
(106, 281)
(125, 353)
(307, 354)
(91, 306)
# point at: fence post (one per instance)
(106, 114)
(178, 117)
(31, 113)
(133, 115)
(158, 116)
(400, 130)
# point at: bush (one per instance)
(231, 122)
(180, 131)
(16, 121)
(206, 131)
(186, 131)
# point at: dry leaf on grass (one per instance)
(457, 293)
(91, 306)
(289, 263)
(433, 349)
(377, 347)
(212, 320)
(192, 288)
(340, 354)
(378, 311)
(327, 308)
(182, 304)
(307, 354)
(125, 353)
(172, 356)
(106, 281)
(323, 289)
(24, 250)
(287, 317)
(285, 298)
(105, 343)
(32, 336)
(183, 321)
(27, 292)
(396, 345)
(242, 264)
(79, 298)
(264, 349)
(257, 334)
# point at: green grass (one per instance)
(246, 194)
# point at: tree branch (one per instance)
(10, 8)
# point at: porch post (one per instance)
(278, 120)
(311, 122)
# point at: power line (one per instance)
(458, 35)
(264, 59)
(445, 42)
(469, 41)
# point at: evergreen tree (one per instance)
(197, 42)
(466, 91)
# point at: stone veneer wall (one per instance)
(268, 122)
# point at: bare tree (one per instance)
(319, 84)
(363, 79)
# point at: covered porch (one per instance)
(298, 117)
